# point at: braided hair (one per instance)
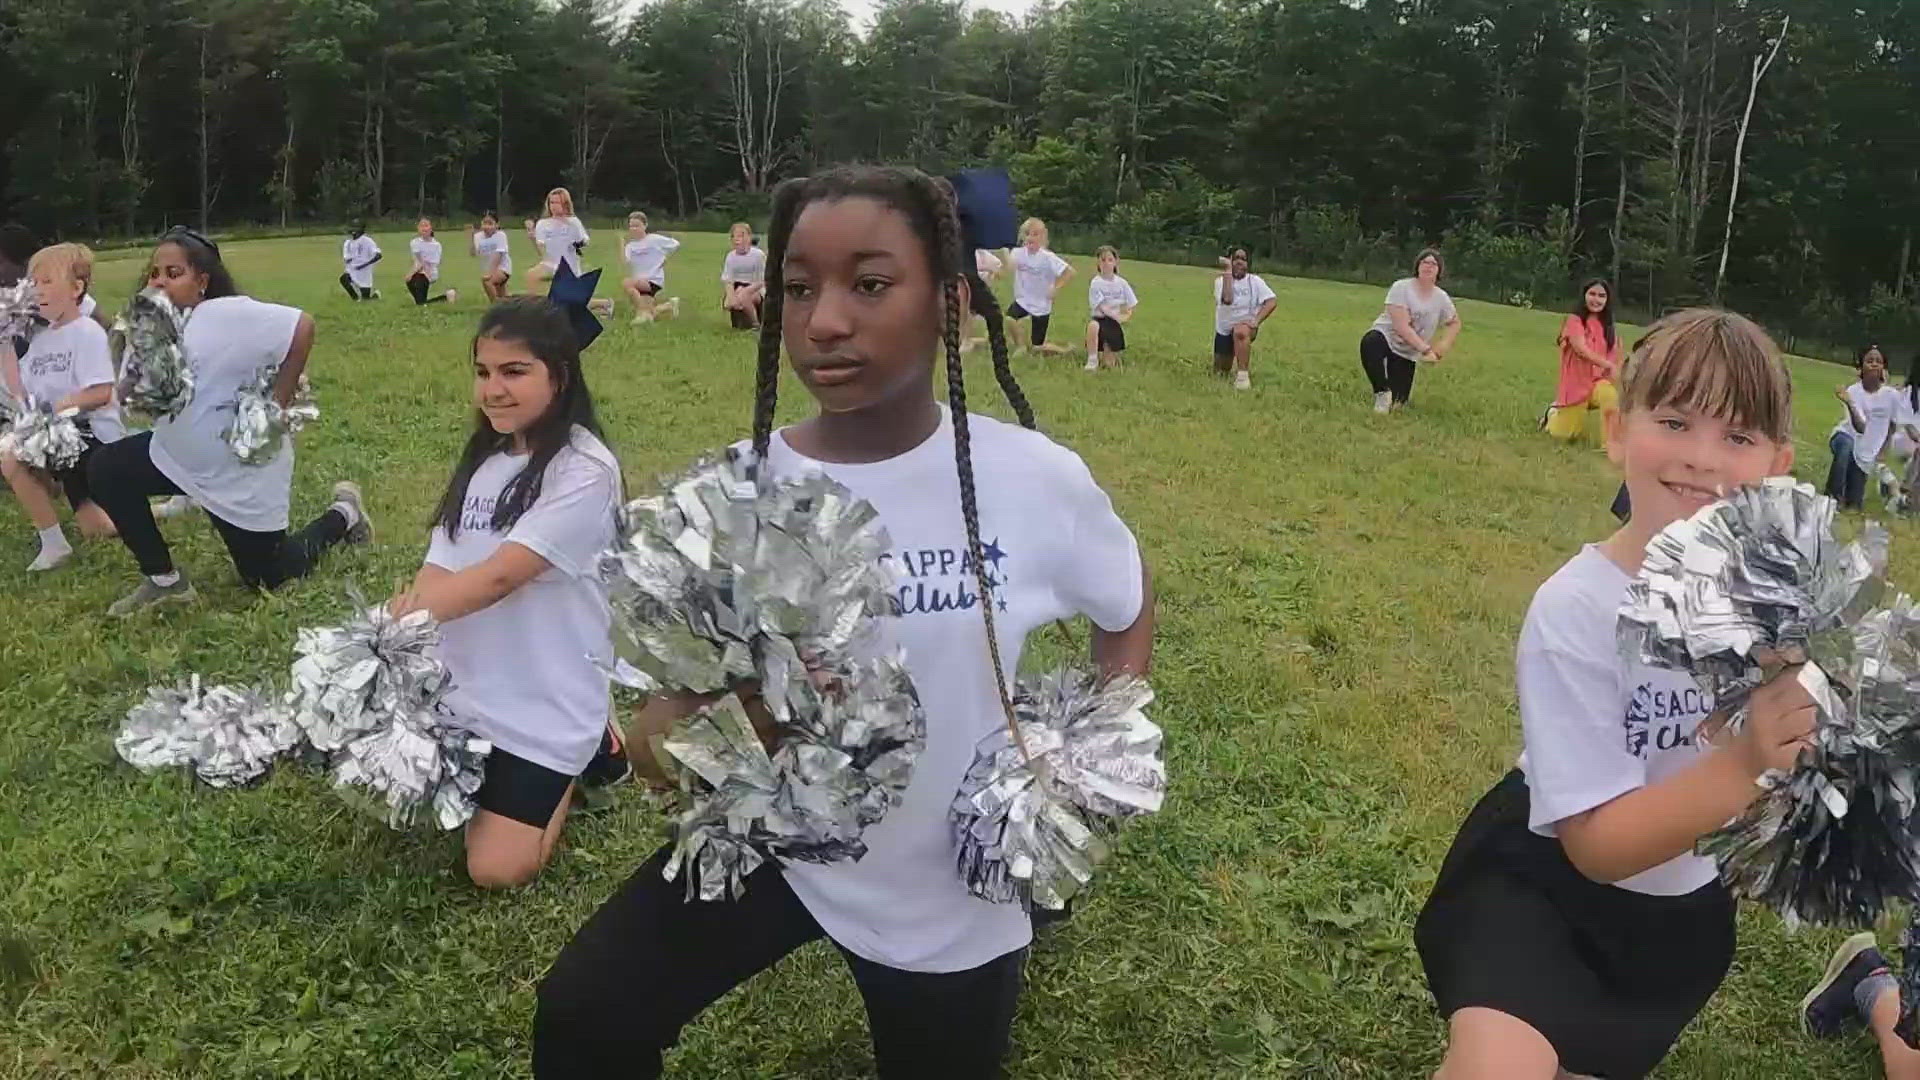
(928, 205)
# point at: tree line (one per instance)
(1538, 141)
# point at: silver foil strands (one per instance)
(1031, 829)
(19, 312)
(228, 735)
(349, 680)
(259, 422)
(724, 577)
(44, 440)
(155, 378)
(1755, 577)
(422, 764)
(1830, 843)
(813, 796)
(1758, 580)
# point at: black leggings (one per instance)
(354, 292)
(649, 961)
(417, 285)
(122, 477)
(1386, 370)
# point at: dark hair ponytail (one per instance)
(203, 256)
(543, 329)
(928, 205)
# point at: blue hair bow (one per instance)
(988, 219)
(570, 292)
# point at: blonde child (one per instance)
(1572, 929)
(1037, 276)
(1110, 304)
(646, 255)
(559, 238)
(66, 366)
(489, 245)
(743, 278)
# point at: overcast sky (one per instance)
(862, 10)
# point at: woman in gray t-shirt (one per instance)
(1404, 334)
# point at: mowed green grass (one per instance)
(1339, 595)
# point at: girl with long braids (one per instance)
(996, 530)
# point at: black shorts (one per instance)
(739, 317)
(74, 481)
(647, 288)
(519, 789)
(1222, 344)
(1610, 976)
(1113, 336)
(1015, 311)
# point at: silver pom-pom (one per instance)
(419, 763)
(229, 735)
(260, 423)
(155, 378)
(813, 796)
(1758, 580)
(19, 312)
(43, 439)
(1755, 579)
(726, 576)
(1031, 826)
(352, 679)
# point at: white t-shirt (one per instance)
(1881, 410)
(1426, 315)
(228, 341)
(1249, 294)
(1598, 725)
(986, 263)
(1115, 294)
(1034, 273)
(484, 247)
(1057, 550)
(62, 360)
(556, 237)
(647, 257)
(357, 250)
(428, 252)
(747, 268)
(523, 668)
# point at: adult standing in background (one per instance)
(1405, 333)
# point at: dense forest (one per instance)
(1538, 140)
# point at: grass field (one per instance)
(1339, 596)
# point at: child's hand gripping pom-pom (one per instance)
(43, 439)
(727, 580)
(1031, 821)
(1756, 581)
(260, 423)
(228, 735)
(18, 310)
(155, 379)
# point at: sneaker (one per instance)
(48, 560)
(453, 296)
(1383, 402)
(1242, 381)
(1828, 1007)
(148, 594)
(669, 308)
(609, 766)
(172, 508)
(1093, 364)
(376, 294)
(361, 531)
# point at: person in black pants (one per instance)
(228, 339)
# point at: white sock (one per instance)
(53, 541)
(166, 580)
(347, 510)
(1093, 358)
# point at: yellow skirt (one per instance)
(1569, 422)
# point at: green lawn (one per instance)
(1339, 596)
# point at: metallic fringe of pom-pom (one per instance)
(1031, 827)
(155, 378)
(44, 440)
(260, 425)
(228, 735)
(19, 311)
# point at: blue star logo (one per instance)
(992, 552)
